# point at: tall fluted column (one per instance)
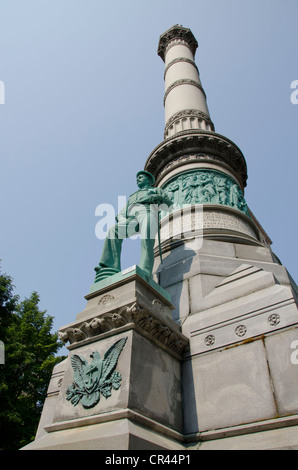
(184, 99)
(196, 166)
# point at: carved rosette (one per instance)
(147, 322)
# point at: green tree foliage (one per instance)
(30, 348)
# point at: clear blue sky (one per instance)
(83, 110)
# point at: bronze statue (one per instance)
(140, 215)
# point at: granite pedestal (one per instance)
(145, 411)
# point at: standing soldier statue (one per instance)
(140, 215)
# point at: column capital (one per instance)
(176, 32)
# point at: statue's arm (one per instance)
(164, 198)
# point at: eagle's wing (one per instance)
(78, 364)
(111, 358)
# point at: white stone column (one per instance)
(184, 99)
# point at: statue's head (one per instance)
(145, 179)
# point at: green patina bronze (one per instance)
(95, 379)
(205, 187)
(141, 213)
(140, 216)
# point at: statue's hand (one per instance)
(155, 199)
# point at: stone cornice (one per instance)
(177, 32)
(149, 323)
(191, 159)
(197, 141)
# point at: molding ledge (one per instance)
(193, 141)
(133, 316)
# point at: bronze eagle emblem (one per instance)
(96, 378)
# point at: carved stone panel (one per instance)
(204, 186)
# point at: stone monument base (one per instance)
(138, 404)
(223, 380)
(237, 304)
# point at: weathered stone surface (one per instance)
(257, 253)
(180, 297)
(146, 388)
(129, 286)
(155, 388)
(231, 387)
(283, 366)
(283, 438)
(121, 434)
(52, 398)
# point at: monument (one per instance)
(192, 350)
